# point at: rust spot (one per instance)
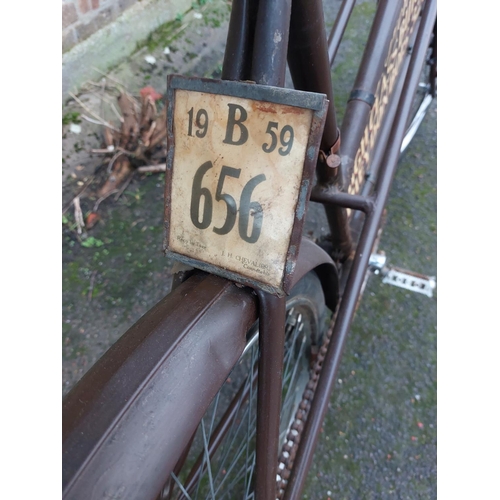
(292, 111)
(265, 107)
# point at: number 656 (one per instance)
(247, 207)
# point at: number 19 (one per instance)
(201, 122)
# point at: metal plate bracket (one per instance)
(240, 164)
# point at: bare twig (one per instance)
(109, 139)
(124, 151)
(161, 167)
(102, 151)
(88, 110)
(104, 98)
(78, 215)
(117, 148)
(116, 112)
(149, 133)
(91, 120)
(112, 161)
(125, 184)
(102, 198)
(108, 77)
(87, 184)
(103, 90)
(89, 83)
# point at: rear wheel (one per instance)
(219, 462)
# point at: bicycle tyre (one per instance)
(232, 456)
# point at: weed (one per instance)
(92, 242)
(73, 117)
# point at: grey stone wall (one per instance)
(101, 33)
(82, 18)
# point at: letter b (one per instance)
(232, 121)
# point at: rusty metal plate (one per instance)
(240, 163)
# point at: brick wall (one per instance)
(82, 18)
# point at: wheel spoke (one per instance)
(179, 484)
(209, 468)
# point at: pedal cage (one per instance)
(410, 281)
(402, 278)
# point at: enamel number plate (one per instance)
(240, 163)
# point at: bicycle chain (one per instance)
(291, 445)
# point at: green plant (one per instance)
(92, 242)
(73, 117)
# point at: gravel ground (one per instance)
(379, 437)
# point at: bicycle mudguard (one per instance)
(142, 401)
(313, 258)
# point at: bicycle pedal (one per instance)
(402, 278)
(410, 281)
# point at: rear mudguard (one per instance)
(142, 401)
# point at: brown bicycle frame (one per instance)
(251, 43)
(309, 59)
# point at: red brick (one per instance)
(69, 14)
(84, 6)
(95, 4)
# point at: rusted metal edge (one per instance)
(277, 95)
(225, 273)
(312, 150)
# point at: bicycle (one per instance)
(122, 395)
